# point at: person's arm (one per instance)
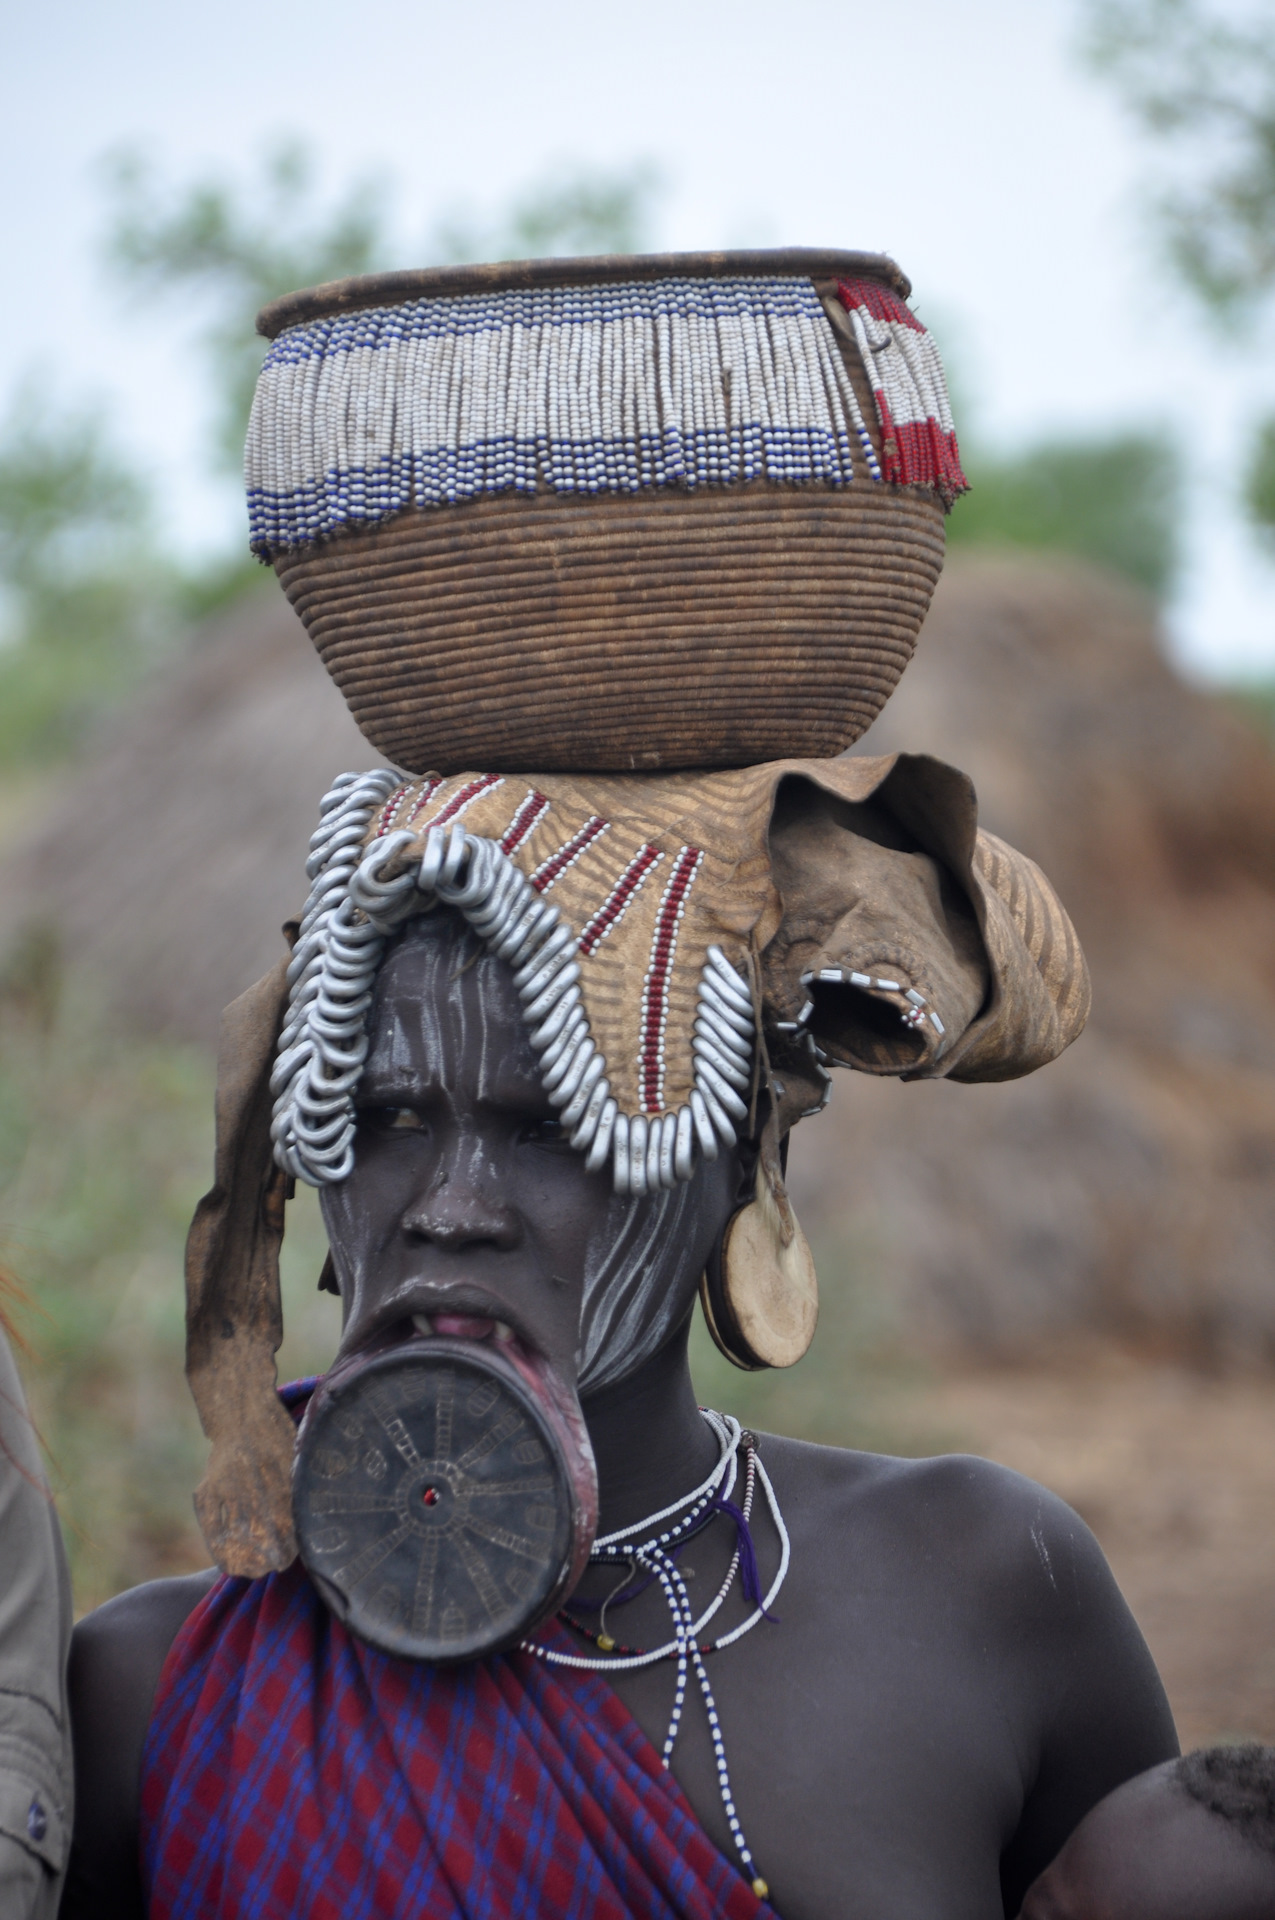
(1100, 1711)
(117, 1656)
(35, 1627)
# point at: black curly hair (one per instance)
(1239, 1784)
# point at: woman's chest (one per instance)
(872, 1770)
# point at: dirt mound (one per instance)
(1126, 1189)
(174, 852)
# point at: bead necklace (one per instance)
(654, 1553)
(604, 1642)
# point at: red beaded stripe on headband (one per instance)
(556, 865)
(466, 796)
(531, 812)
(612, 908)
(655, 988)
(423, 799)
(389, 809)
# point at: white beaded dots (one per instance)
(352, 910)
(602, 389)
(913, 1016)
(641, 1547)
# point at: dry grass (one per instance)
(105, 1145)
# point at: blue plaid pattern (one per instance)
(290, 1770)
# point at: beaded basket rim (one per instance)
(502, 276)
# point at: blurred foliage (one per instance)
(570, 210)
(1203, 85)
(856, 1387)
(226, 251)
(1116, 502)
(1201, 80)
(84, 600)
(105, 1146)
(1259, 482)
(1255, 699)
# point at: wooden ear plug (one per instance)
(760, 1295)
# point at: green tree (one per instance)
(1112, 501)
(227, 251)
(1203, 86)
(1259, 481)
(82, 590)
(572, 209)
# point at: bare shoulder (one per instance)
(138, 1627)
(117, 1655)
(1008, 1542)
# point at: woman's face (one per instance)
(467, 1208)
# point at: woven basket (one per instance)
(666, 628)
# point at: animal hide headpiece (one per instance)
(692, 953)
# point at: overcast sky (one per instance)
(965, 140)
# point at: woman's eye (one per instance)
(392, 1119)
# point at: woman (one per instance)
(912, 1721)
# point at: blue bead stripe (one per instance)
(578, 390)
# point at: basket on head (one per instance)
(680, 510)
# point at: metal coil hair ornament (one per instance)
(353, 909)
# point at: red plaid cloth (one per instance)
(290, 1770)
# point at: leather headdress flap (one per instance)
(234, 1317)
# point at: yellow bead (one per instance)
(605, 1643)
(761, 1889)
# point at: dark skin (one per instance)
(1152, 1852)
(954, 1679)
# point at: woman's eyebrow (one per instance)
(510, 1095)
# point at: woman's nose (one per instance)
(462, 1205)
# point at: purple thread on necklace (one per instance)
(749, 1579)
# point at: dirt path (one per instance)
(1176, 1476)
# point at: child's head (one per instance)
(1191, 1840)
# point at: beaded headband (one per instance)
(602, 389)
(706, 937)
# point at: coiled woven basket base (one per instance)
(623, 633)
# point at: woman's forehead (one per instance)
(447, 1014)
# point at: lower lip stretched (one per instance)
(463, 1326)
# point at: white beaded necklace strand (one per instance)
(651, 1553)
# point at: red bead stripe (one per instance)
(427, 792)
(655, 987)
(556, 865)
(882, 303)
(531, 812)
(914, 453)
(619, 897)
(465, 797)
(389, 809)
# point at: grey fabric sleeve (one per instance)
(35, 1632)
